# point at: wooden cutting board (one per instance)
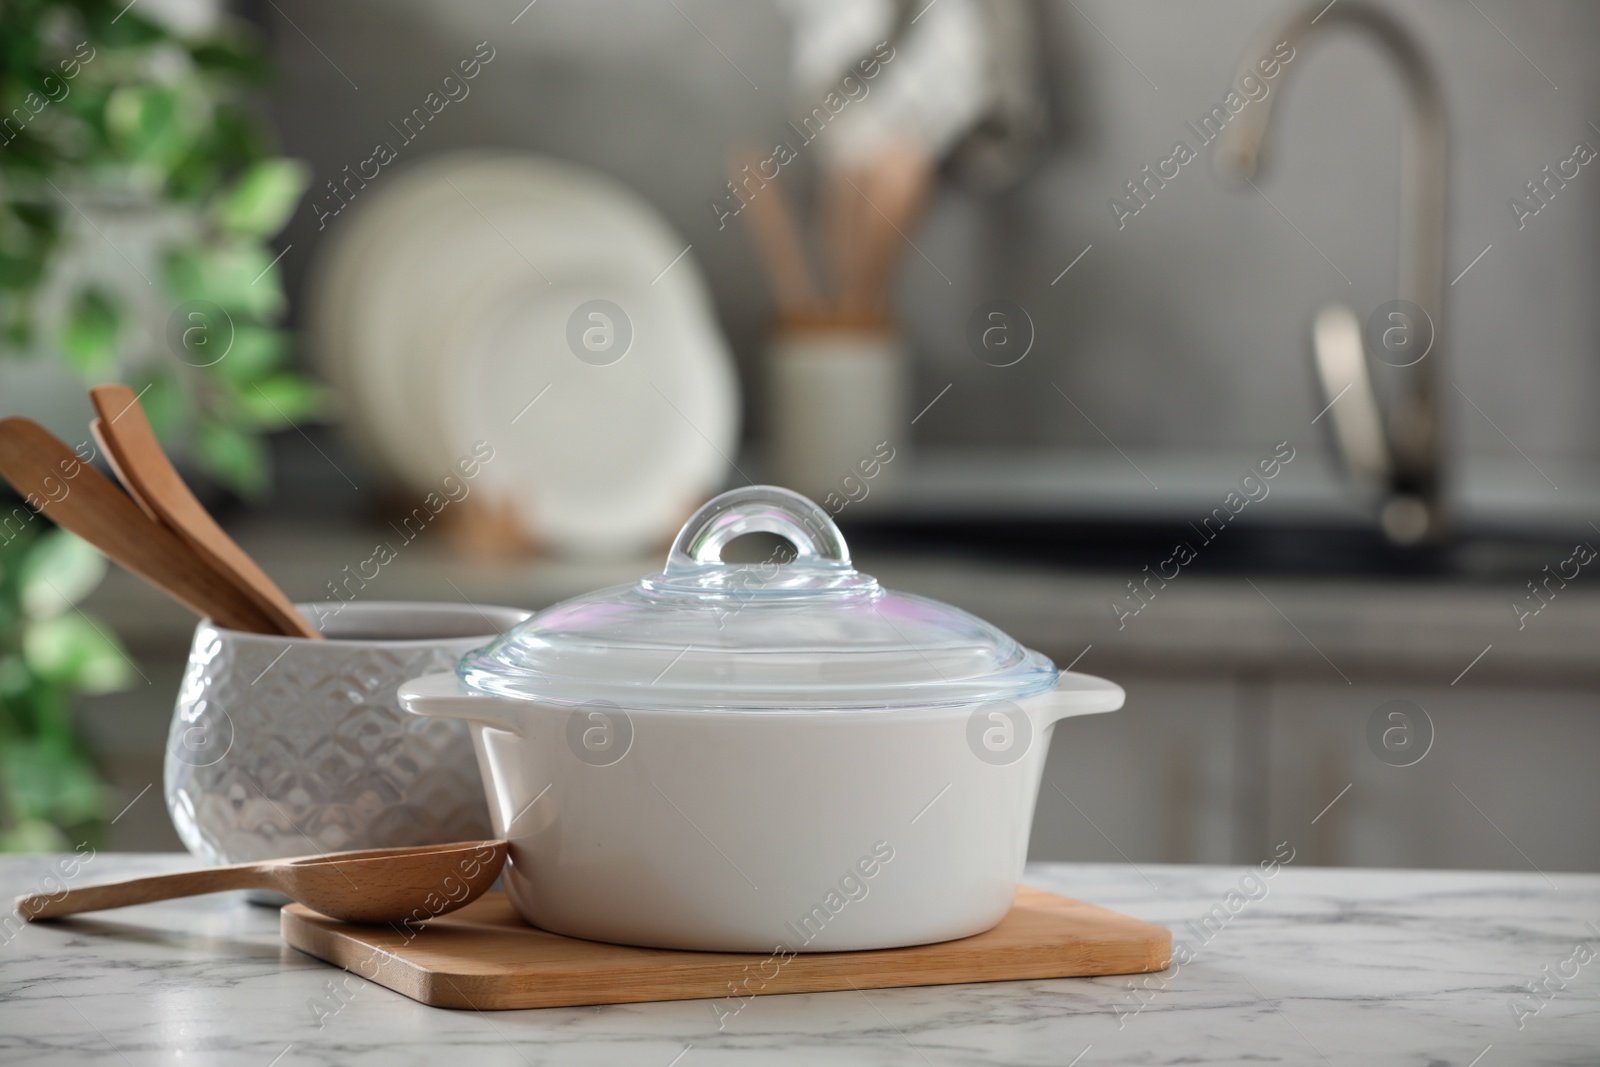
(485, 957)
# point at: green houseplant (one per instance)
(51, 796)
(138, 193)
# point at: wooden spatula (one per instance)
(52, 479)
(152, 481)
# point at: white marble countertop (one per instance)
(1323, 966)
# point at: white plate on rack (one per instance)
(443, 313)
(644, 428)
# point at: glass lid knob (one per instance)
(821, 563)
(757, 509)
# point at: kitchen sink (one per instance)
(1274, 548)
(1122, 511)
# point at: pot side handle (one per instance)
(443, 696)
(1081, 694)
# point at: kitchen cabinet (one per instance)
(1509, 781)
(1152, 782)
(1215, 770)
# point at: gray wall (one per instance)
(1187, 329)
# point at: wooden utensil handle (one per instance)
(115, 464)
(145, 890)
(54, 479)
(135, 454)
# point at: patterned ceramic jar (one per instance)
(284, 746)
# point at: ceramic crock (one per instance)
(783, 758)
(836, 398)
(283, 746)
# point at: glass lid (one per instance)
(813, 633)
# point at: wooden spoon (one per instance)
(54, 480)
(895, 186)
(373, 886)
(775, 229)
(150, 478)
(840, 211)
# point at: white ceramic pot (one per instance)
(761, 759)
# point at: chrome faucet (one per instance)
(1401, 453)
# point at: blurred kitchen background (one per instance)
(1142, 364)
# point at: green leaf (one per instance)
(19, 526)
(58, 571)
(33, 835)
(22, 271)
(233, 457)
(47, 780)
(28, 234)
(75, 652)
(14, 677)
(280, 401)
(234, 275)
(146, 122)
(231, 55)
(89, 342)
(163, 400)
(261, 201)
(119, 28)
(256, 352)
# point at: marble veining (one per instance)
(1329, 966)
